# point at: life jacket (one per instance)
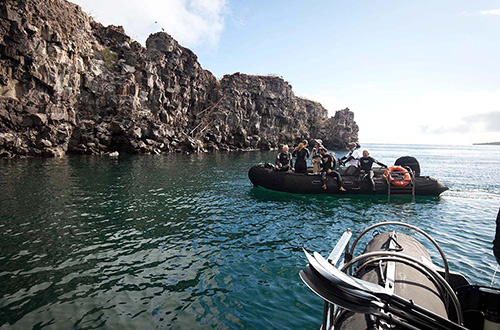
(332, 161)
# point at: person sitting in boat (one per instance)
(352, 158)
(365, 167)
(327, 168)
(316, 157)
(301, 153)
(284, 159)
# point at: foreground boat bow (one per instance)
(395, 285)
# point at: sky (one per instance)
(413, 72)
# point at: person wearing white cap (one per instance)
(316, 157)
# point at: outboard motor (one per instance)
(408, 161)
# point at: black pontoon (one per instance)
(410, 183)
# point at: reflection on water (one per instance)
(186, 242)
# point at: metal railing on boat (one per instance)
(407, 190)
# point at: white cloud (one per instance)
(330, 102)
(490, 12)
(191, 22)
(478, 123)
(447, 117)
(441, 117)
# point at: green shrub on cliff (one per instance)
(109, 57)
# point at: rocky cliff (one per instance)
(70, 85)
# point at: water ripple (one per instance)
(185, 241)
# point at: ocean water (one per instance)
(186, 242)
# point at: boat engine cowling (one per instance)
(409, 161)
(409, 282)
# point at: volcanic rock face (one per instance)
(339, 129)
(258, 112)
(70, 85)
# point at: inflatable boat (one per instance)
(395, 285)
(401, 179)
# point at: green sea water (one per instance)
(186, 242)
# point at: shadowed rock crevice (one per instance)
(71, 85)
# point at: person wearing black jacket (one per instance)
(365, 167)
(327, 168)
(284, 160)
(302, 153)
(496, 241)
